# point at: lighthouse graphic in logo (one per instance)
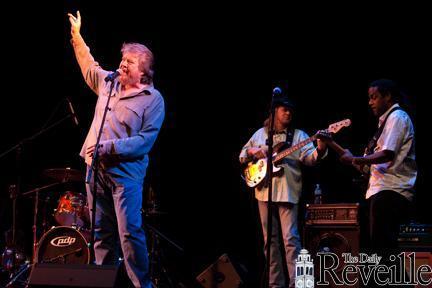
(304, 270)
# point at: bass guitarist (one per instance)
(286, 188)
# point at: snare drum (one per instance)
(63, 245)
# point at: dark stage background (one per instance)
(216, 66)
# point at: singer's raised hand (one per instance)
(75, 23)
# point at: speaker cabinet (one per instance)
(73, 275)
(221, 274)
(337, 239)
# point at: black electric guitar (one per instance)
(255, 171)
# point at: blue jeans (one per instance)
(119, 221)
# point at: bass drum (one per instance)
(63, 245)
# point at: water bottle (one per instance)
(318, 194)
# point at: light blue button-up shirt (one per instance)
(131, 125)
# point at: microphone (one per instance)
(277, 91)
(72, 111)
(112, 76)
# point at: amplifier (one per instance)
(415, 236)
(332, 214)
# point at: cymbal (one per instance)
(64, 174)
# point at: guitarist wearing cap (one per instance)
(286, 188)
(391, 157)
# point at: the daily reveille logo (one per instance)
(304, 270)
(350, 270)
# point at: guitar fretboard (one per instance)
(294, 148)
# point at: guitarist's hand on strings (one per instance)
(257, 152)
(357, 162)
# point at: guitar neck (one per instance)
(292, 149)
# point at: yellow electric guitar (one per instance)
(255, 171)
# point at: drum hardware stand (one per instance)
(13, 195)
(157, 268)
(62, 256)
(34, 227)
(45, 227)
(10, 252)
(18, 148)
(35, 213)
(75, 221)
(24, 268)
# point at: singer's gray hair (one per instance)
(145, 59)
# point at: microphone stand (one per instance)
(156, 266)
(270, 191)
(94, 170)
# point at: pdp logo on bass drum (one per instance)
(63, 241)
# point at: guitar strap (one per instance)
(373, 142)
(289, 137)
(288, 142)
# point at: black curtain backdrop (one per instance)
(216, 66)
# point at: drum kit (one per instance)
(65, 229)
(66, 242)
